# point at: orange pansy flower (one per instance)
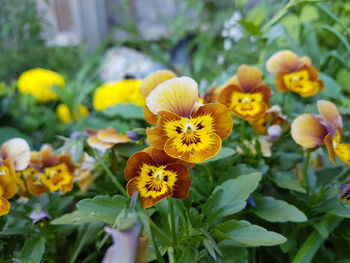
(294, 73)
(272, 116)
(105, 139)
(186, 130)
(312, 131)
(246, 95)
(156, 176)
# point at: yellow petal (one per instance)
(177, 95)
(307, 131)
(329, 111)
(343, 152)
(282, 61)
(154, 79)
(18, 151)
(4, 206)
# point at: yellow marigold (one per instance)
(124, 91)
(65, 116)
(38, 82)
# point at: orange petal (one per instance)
(154, 79)
(343, 153)
(328, 141)
(279, 81)
(7, 182)
(94, 142)
(330, 112)
(183, 181)
(177, 95)
(157, 136)
(149, 116)
(249, 77)
(17, 150)
(283, 61)
(110, 135)
(134, 164)
(194, 153)
(222, 118)
(4, 206)
(226, 95)
(307, 131)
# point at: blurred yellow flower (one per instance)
(38, 82)
(65, 116)
(124, 91)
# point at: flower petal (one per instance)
(4, 206)
(7, 181)
(249, 77)
(154, 79)
(18, 151)
(183, 181)
(283, 61)
(177, 95)
(343, 152)
(134, 164)
(209, 146)
(307, 131)
(328, 141)
(330, 112)
(149, 116)
(157, 136)
(221, 116)
(94, 142)
(110, 135)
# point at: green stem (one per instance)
(156, 248)
(172, 221)
(343, 173)
(243, 127)
(159, 231)
(314, 241)
(306, 178)
(171, 255)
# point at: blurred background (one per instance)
(91, 42)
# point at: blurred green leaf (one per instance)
(33, 249)
(288, 180)
(126, 111)
(7, 132)
(223, 153)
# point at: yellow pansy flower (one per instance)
(38, 82)
(65, 115)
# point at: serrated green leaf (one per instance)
(245, 233)
(274, 210)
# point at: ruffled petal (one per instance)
(223, 122)
(94, 142)
(183, 180)
(154, 79)
(18, 151)
(343, 152)
(283, 61)
(134, 164)
(4, 206)
(249, 77)
(177, 95)
(307, 131)
(110, 135)
(149, 116)
(329, 111)
(328, 141)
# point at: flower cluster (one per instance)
(124, 91)
(39, 82)
(66, 116)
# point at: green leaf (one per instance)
(100, 208)
(244, 233)
(7, 133)
(128, 149)
(331, 87)
(223, 153)
(250, 27)
(288, 180)
(126, 111)
(33, 249)
(274, 210)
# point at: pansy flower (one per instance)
(294, 73)
(105, 139)
(312, 131)
(185, 129)
(149, 84)
(55, 171)
(14, 155)
(272, 117)
(155, 176)
(246, 96)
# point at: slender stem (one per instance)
(171, 255)
(111, 175)
(172, 221)
(243, 130)
(156, 248)
(305, 171)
